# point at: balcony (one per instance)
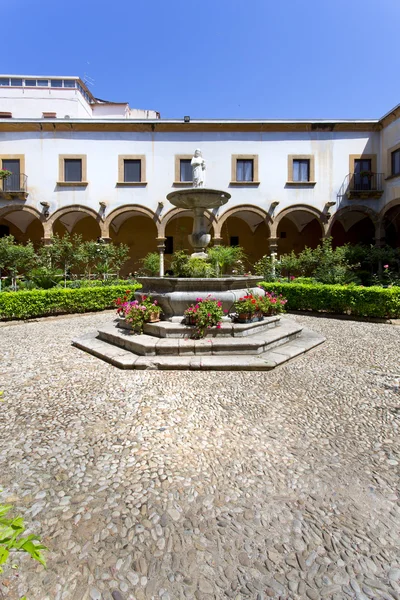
(14, 186)
(362, 186)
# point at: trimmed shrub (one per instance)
(339, 299)
(88, 283)
(56, 301)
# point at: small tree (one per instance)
(224, 258)
(16, 258)
(121, 255)
(65, 252)
(151, 264)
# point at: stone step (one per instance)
(177, 329)
(265, 361)
(147, 345)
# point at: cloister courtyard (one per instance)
(181, 485)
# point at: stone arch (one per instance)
(137, 227)
(384, 235)
(237, 211)
(317, 214)
(74, 208)
(349, 209)
(297, 227)
(131, 209)
(175, 212)
(350, 213)
(24, 221)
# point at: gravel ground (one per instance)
(180, 485)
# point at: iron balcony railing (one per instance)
(366, 181)
(16, 182)
(364, 184)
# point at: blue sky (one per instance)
(216, 58)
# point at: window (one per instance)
(17, 82)
(185, 170)
(4, 81)
(72, 169)
(56, 83)
(16, 164)
(396, 162)
(234, 240)
(30, 82)
(132, 170)
(301, 170)
(169, 245)
(244, 170)
(282, 235)
(12, 183)
(362, 173)
(43, 82)
(69, 83)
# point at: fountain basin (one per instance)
(175, 294)
(204, 198)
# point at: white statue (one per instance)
(198, 169)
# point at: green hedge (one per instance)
(39, 303)
(339, 299)
(83, 283)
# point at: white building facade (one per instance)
(103, 170)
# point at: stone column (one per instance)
(47, 241)
(161, 250)
(104, 240)
(273, 250)
(217, 240)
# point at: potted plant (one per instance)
(248, 309)
(4, 173)
(138, 312)
(271, 304)
(206, 313)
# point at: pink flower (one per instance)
(218, 325)
(385, 266)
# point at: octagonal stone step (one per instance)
(124, 359)
(148, 345)
(177, 328)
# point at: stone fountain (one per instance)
(257, 346)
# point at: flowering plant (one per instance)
(271, 304)
(4, 173)
(248, 304)
(136, 312)
(207, 312)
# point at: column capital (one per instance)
(217, 240)
(47, 241)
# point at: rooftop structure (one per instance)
(61, 97)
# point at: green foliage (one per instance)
(15, 259)
(38, 303)
(339, 299)
(226, 259)
(266, 268)
(64, 252)
(76, 284)
(45, 277)
(206, 313)
(12, 540)
(198, 267)
(324, 264)
(220, 260)
(179, 263)
(151, 264)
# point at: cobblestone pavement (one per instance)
(180, 485)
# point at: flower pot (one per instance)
(153, 317)
(249, 317)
